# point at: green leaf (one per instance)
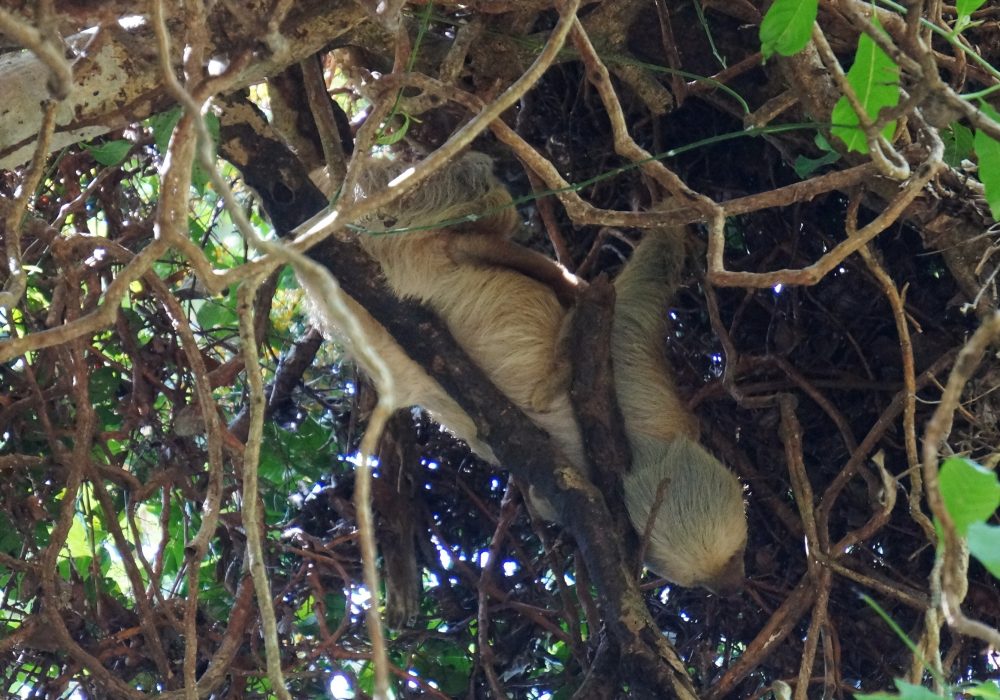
(196, 232)
(214, 127)
(907, 691)
(287, 279)
(10, 538)
(272, 467)
(334, 609)
(310, 438)
(388, 139)
(967, 7)
(110, 153)
(971, 493)
(199, 176)
(214, 314)
(958, 144)
(163, 126)
(804, 167)
(875, 79)
(77, 541)
(447, 662)
(984, 545)
(733, 231)
(988, 151)
(787, 27)
(104, 385)
(987, 689)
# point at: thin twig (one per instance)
(17, 282)
(253, 520)
(952, 559)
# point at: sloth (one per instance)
(698, 530)
(507, 307)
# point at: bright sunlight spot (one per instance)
(340, 687)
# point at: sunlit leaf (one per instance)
(971, 493)
(984, 545)
(875, 80)
(77, 542)
(987, 689)
(907, 691)
(988, 152)
(787, 27)
(966, 7)
(36, 298)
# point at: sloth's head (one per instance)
(700, 529)
(463, 193)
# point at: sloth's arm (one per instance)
(489, 249)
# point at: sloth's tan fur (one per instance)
(511, 324)
(502, 304)
(699, 528)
